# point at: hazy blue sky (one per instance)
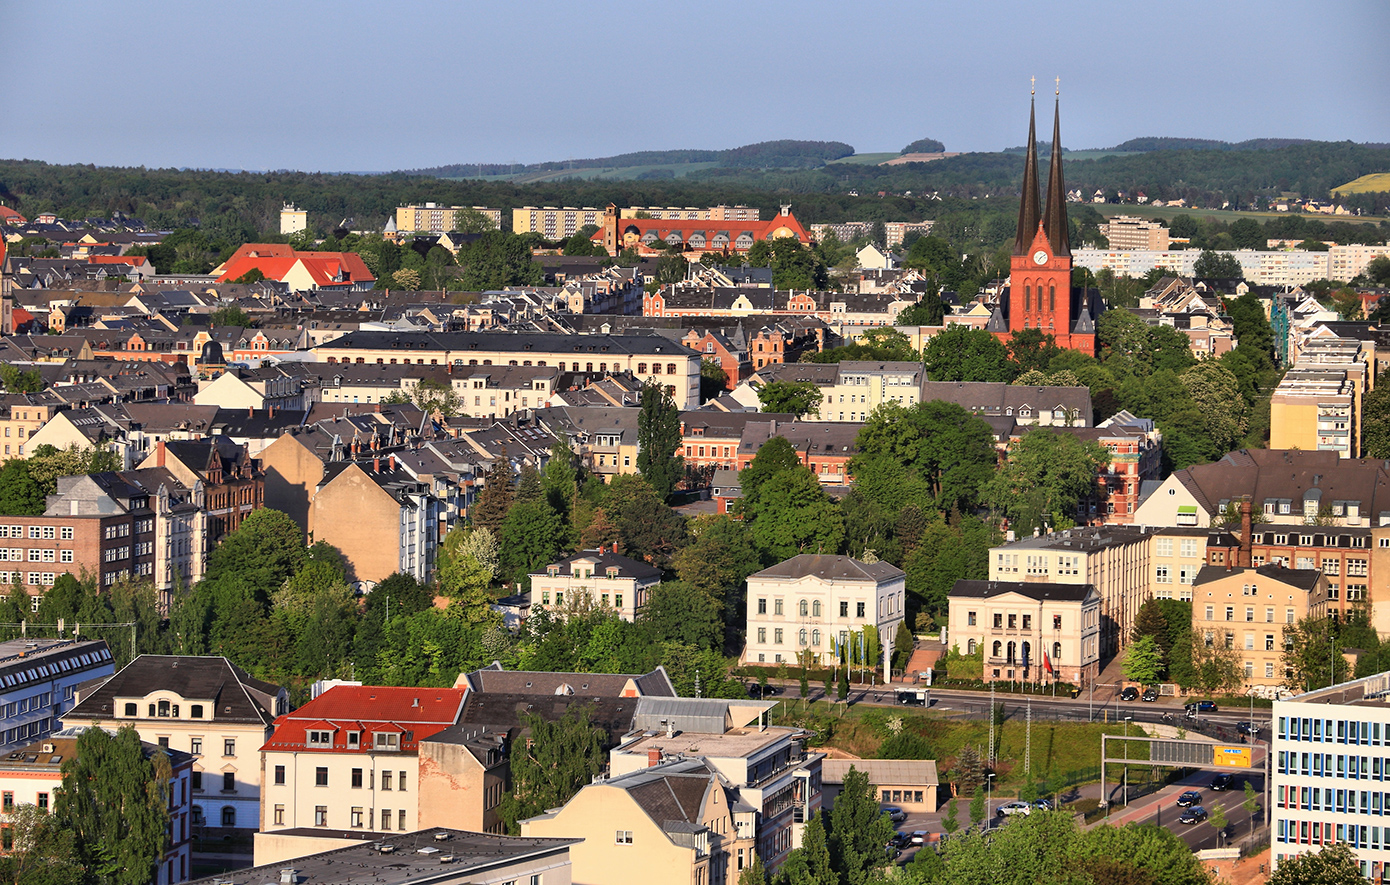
(356, 86)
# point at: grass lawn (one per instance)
(1064, 753)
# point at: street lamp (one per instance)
(989, 801)
(1125, 794)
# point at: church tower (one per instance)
(1040, 292)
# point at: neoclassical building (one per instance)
(1029, 631)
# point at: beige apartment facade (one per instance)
(1176, 555)
(599, 578)
(20, 418)
(204, 706)
(437, 219)
(1028, 631)
(1112, 559)
(1246, 610)
(818, 603)
(554, 222)
(1125, 232)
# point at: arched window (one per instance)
(997, 647)
(801, 637)
(1028, 653)
(164, 709)
(1027, 297)
(228, 816)
(130, 709)
(1013, 652)
(802, 608)
(970, 647)
(1051, 297)
(815, 638)
(815, 609)
(198, 819)
(1056, 653)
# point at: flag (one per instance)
(1047, 663)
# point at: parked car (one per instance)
(1043, 804)
(1206, 706)
(1193, 815)
(755, 691)
(1150, 695)
(1223, 782)
(1248, 728)
(1129, 694)
(892, 851)
(1015, 807)
(1189, 799)
(901, 839)
(895, 814)
(919, 837)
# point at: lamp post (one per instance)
(1125, 793)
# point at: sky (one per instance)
(354, 86)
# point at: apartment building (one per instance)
(1247, 610)
(850, 390)
(688, 213)
(293, 219)
(1259, 268)
(554, 223)
(1349, 262)
(347, 760)
(33, 773)
(21, 416)
(1317, 404)
(814, 602)
(435, 218)
(204, 706)
(711, 439)
(1330, 767)
(1285, 486)
(1128, 233)
(599, 578)
(648, 357)
(894, 231)
(494, 391)
(382, 517)
(39, 679)
(136, 523)
(1028, 631)
(1112, 559)
(824, 447)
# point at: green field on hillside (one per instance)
(1111, 209)
(865, 159)
(1376, 182)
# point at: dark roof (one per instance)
(503, 710)
(1302, 578)
(840, 568)
(1039, 590)
(238, 696)
(1029, 212)
(461, 342)
(627, 568)
(495, 679)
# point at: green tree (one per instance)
(1216, 814)
(810, 863)
(950, 822)
(560, 758)
(903, 642)
(658, 440)
(963, 354)
(1046, 476)
(718, 560)
(941, 443)
(929, 310)
(1312, 654)
(529, 538)
(1333, 865)
(977, 808)
(471, 221)
(1217, 265)
(924, 146)
(467, 565)
(1144, 661)
(265, 550)
(792, 515)
(675, 611)
(714, 381)
(969, 771)
(1216, 394)
(753, 874)
(43, 852)
(496, 497)
(1031, 349)
(842, 686)
(16, 380)
(671, 269)
(1251, 803)
(1375, 420)
(799, 398)
(20, 493)
(232, 315)
(114, 798)
(858, 830)
(1209, 667)
(1151, 621)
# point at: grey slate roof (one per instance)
(1032, 589)
(837, 568)
(238, 696)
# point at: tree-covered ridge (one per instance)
(1153, 143)
(779, 153)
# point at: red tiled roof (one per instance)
(9, 214)
(275, 260)
(368, 709)
(132, 260)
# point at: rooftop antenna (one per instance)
(1033, 86)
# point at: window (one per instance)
(762, 606)
(229, 746)
(386, 741)
(7, 801)
(198, 781)
(280, 815)
(386, 780)
(400, 781)
(1249, 613)
(320, 738)
(400, 820)
(762, 634)
(130, 709)
(776, 606)
(1165, 546)
(803, 608)
(229, 782)
(386, 818)
(321, 776)
(43, 800)
(1162, 575)
(1269, 642)
(844, 610)
(357, 778)
(196, 711)
(228, 816)
(815, 608)
(320, 815)
(777, 636)
(1230, 613)
(859, 609)
(280, 775)
(623, 837)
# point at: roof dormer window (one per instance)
(320, 738)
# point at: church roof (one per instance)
(1055, 219)
(1029, 212)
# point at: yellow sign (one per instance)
(1232, 757)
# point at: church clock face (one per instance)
(1040, 257)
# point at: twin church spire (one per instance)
(1052, 213)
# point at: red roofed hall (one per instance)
(301, 270)
(651, 235)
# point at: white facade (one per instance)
(293, 220)
(1260, 268)
(1331, 763)
(805, 602)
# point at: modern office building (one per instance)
(39, 680)
(1331, 762)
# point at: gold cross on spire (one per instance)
(1059, 86)
(1033, 88)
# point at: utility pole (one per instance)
(1028, 738)
(990, 754)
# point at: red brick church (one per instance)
(1040, 294)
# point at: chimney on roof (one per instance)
(272, 411)
(250, 412)
(1246, 527)
(378, 407)
(653, 758)
(376, 465)
(159, 453)
(393, 464)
